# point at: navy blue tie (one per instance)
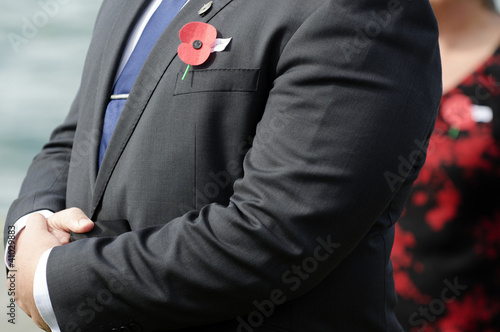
(154, 28)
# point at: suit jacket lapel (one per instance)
(130, 12)
(157, 62)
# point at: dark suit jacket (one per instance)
(262, 190)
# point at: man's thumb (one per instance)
(82, 225)
(72, 219)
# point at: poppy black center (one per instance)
(197, 44)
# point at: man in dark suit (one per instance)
(259, 193)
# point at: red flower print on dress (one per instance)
(447, 201)
(403, 262)
(456, 111)
(469, 312)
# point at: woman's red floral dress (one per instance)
(446, 254)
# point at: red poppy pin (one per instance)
(456, 111)
(198, 41)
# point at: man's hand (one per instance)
(39, 235)
(61, 223)
(32, 242)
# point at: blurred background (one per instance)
(42, 49)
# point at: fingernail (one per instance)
(84, 221)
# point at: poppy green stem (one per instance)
(185, 73)
(454, 132)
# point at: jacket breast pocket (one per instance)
(217, 80)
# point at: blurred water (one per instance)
(39, 76)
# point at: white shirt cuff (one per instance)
(10, 247)
(41, 293)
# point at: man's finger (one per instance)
(72, 219)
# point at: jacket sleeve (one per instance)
(341, 134)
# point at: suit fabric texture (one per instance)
(261, 191)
